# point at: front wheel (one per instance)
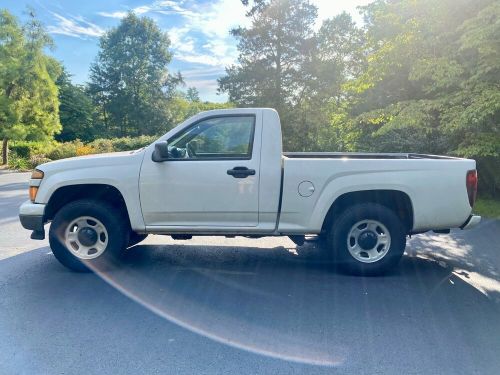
(88, 235)
(367, 239)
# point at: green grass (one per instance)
(488, 207)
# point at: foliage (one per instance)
(284, 64)
(432, 80)
(28, 94)
(193, 94)
(122, 144)
(130, 82)
(75, 111)
(488, 208)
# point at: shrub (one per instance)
(128, 144)
(121, 144)
(36, 160)
(15, 162)
(21, 150)
(64, 150)
(28, 154)
(84, 150)
(102, 145)
(25, 149)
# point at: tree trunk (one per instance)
(5, 151)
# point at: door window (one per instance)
(226, 137)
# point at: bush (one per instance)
(102, 145)
(36, 160)
(15, 162)
(64, 150)
(128, 144)
(121, 144)
(25, 149)
(84, 150)
(21, 150)
(28, 154)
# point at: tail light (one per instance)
(471, 183)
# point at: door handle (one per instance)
(240, 172)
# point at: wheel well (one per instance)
(395, 200)
(70, 193)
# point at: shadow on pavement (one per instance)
(273, 302)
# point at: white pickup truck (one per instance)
(223, 173)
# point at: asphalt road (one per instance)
(241, 306)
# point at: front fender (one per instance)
(123, 177)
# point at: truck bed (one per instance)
(361, 155)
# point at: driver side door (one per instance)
(211, 178)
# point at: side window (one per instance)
(228, 137)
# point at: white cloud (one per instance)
(162, 7)
(117, 14)
(180, 40)
(202, 72)
(75, 26)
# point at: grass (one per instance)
(488, 207)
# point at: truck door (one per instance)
(211, 178)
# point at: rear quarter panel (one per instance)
(435, 187)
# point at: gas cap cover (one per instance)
(306, 188)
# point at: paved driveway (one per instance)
(241, 306)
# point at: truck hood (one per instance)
(92, 161)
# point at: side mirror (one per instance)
(161, 152)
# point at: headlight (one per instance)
(36, 175)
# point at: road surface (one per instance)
(242, 306)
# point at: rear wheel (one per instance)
(367, 239)
(88, 235)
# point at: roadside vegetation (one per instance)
(417, 76)
(488, 207)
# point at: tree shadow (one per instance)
(472, 255)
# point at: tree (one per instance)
(75, 111)
(28, 94)
(273, 54)
(130, 81)
(432, 81)
(192, 94)
(337, 56)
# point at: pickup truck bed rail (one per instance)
(361, 155)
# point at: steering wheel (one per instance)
(191, 148)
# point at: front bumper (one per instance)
(471, 222)
(31, 215)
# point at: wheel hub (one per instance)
(87, 236)
(367, 240)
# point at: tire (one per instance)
(107, 224)
(367, 239)
(135, 238)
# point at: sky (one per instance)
(198, 30)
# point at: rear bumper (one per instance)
(471, 222)
(31, 215)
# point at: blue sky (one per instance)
(198, 29)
